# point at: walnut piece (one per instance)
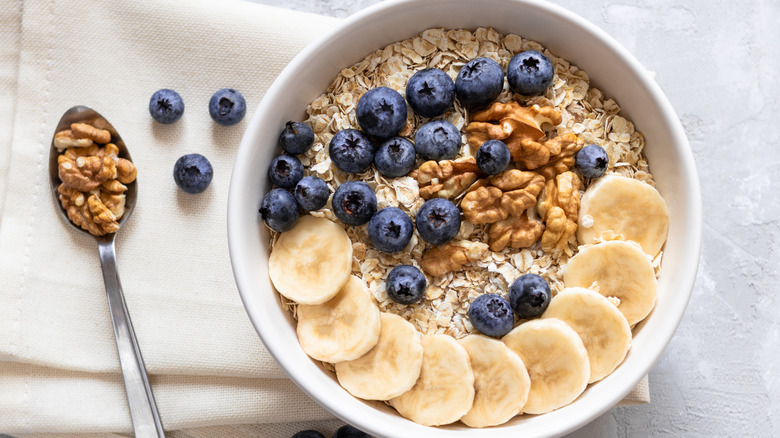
(562, 155)
(83, 130)
(66, 139)
(517, 126)
(125, 171)
(86, 173)
(91, 215)
(515, 232)
(509, 193)
(558, 207)
(112, 195)
(447, 178)
(452, 256)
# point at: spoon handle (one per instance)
(143, 410)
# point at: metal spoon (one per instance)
(143, 410)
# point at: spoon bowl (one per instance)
(140, 400)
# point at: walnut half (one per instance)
(447, 178)
(515, 232)
(509, 193)
(452, 256)
(559, 206)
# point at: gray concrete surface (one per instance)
(718, 63)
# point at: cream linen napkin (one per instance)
(58, 367)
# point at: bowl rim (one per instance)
(692, 241)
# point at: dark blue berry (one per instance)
(430, 92)
(354, 203)
(296, 138)
(390, 229)
(529, 73)
(491, 315)
(308, 434)
(351, 150)
(279, 210)
(438, 221)
(350, 432)
(592, 161)
(405, 284)
(193, 173)
(437, 140)
(285, 171)
(479, 82)
(381, 112)
(529, 296)
(493, 157)
(395, 157)
(311, 193)
(166, 106)
(227, 107)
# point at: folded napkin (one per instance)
(59, 371)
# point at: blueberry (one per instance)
(529, 296)
(348, 431)
(279, 210)
(437, 140)
(308, 434)
(227, 107)
(311, 193)
(166, 106)
(390, 229)
(405, 284)
(296, 138)
(529, 73)
(592, 161)
(381, 112)
(395, 157)
(438, 221)
(351, 150)
(430, 92)
(479, 82)
(192, 173)
(285, 171)
(354, 203)
(491, 315)
(493, 157)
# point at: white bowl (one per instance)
(610, 67)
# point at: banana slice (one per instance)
(556, 360)
(619, 269)
(344, 328)
(445, 390)
(623, 206)
(603, 329)
(391, 368)
(500, 380)
(311, 262)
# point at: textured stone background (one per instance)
(717, 61)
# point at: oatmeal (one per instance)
(584, 111)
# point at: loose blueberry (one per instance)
(351, 150)
(381, 112)
(438, 221)
(437, 140)
(529, 73)
(296, 138)
(350, 432)
(285, 171)
(227, 107)
(193, 173)
(491, 315)
(311, 193)
(166, 106)
(390, 229)
(430, 92)
(529, 296)
(405, 284)
(354, 203)
(479, 82)
(493, 157)
(395, 157)
(592, 161)
(308, 434)
(279, 210)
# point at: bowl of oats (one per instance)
(479, 219)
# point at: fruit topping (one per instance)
(430, 92)
(285, 171)
(529, 73)
(529, 296)
(351, 150)
(406, 284)
(493, 157)
(279, 210)
(491, 315)
(438, 221)
(479, 82)
(592, 161)
(311, 193)
(354, 203)
(390, 229)
(395, 157)
(296, 138)
(437, 140)
(381, 112)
